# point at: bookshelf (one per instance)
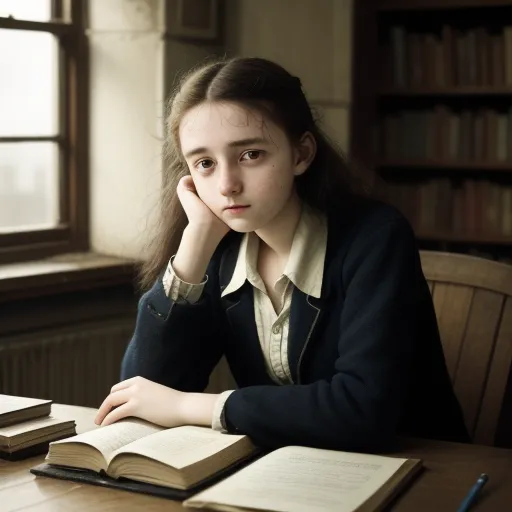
(432, 116)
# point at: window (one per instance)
(43, 129)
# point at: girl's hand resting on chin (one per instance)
(198, 214)
(142, 398)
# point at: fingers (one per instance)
(117, 414)
(113, 400)
(124, 384)
(187, 183)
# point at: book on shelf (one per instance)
(14, 409)
(473, 207)
(300, 479)
(447, 57)
(180, 463)
(480, 137)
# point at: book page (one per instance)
(110, 438)
(181, 446)
(300, 479)
(9, 403)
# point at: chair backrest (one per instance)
(473, 301)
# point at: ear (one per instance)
(305, 153)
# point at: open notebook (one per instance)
(301, 479)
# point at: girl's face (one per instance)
(236, 156)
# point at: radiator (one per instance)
(76, 365)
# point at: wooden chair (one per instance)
(473, 302)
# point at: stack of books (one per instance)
(27, 427)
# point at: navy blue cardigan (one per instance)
(366, 358)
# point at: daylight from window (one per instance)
(29, 180)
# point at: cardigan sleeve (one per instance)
(177, 343)
(360, 406)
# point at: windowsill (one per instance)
(63, 273)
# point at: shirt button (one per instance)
(276, 329)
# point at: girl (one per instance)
(272, 254)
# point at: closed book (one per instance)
(15, 409)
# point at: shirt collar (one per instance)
(305, 265)
(247, 254)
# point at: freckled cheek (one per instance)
(273, 185)
(262, 189)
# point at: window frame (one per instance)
(72, 233)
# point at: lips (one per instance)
(237, 207)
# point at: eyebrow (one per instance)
(232, 144)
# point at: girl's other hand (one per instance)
(141, 398)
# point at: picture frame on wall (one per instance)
(197, 20)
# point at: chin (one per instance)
(257, 220)
(244, 226)
(241, 229)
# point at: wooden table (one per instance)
(451, 469)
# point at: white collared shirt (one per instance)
(304, 270)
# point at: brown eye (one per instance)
(205, 164)
(252, 155)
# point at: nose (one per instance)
(230, 183)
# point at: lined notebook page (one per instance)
(300, 479)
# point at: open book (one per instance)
(15, 409)
(300, 479)
(178, 458)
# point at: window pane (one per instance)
(33, 10)
(29, 185)
(29, 84)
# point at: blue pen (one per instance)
(473, 493)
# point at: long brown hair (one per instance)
(257, 84)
